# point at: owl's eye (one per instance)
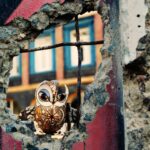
(44, 95)
(61, 97)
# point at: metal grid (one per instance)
(79, 45)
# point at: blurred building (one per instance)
(29, 69)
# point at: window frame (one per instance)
(48, 32)
(83, 23)
(19, 69)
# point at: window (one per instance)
(86, 34)
(43, 61)
(16, 70)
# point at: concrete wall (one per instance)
(132, 22)
(123, 26)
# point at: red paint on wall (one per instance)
(27, 7)
(8, 142)
(103, 130)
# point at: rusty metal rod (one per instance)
(60, 45)
(80, 58)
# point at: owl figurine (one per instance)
(51, 114)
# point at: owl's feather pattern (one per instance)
(50, 120)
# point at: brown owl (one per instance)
(51, 113)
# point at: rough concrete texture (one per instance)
(11, 39)
(137, 93)
(132, 19)
(137, 106)
(95, 95)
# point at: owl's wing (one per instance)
(28, 113)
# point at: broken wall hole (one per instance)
(23, 128)
(80, 59)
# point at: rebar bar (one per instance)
(79, 69)
(60, 45)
